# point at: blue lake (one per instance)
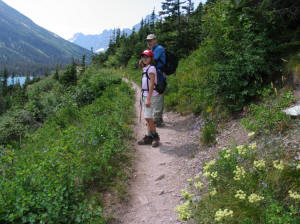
(21, 80)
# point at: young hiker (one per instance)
(160, 60)
(149, 97)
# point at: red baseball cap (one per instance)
(148, 53)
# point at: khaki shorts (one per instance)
(149, 111)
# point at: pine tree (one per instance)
(13, 76)
(152, 20)
(83, 63)
(5, 78)
(56, 74)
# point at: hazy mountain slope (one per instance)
(27, 47)
(100, 42)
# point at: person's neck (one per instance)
(154, 46)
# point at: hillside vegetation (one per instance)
(63, 147)
(64, 139)
(235, 56)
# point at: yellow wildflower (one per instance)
(206, 174)
(209, 165)
(240, 195)
(209, 109)
(226, 156)
(239, 173)
(186, 194)
(251, 134)
(259, 164)
(278, 164)
(213, 192)
(242, 150)
(214, 174)
(222, 214)
(190, 180)
(184, 211)
(255, 198)
(298, 167)
(197, 177)
(198, 185)
(240, 147)
(253, 146)
(294, 195)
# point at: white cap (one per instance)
(151, 37)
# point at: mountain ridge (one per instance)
(26, 47)
(101, 41)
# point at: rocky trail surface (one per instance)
(161, 173)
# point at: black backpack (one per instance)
(161, 84)
(171, 63)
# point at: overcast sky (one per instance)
(67, 17)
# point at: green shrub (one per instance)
(14, 124)
(230, 66)
(52, 177)
(243, 186)
(268, 116)
(209, 132)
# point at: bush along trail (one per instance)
(58, 173)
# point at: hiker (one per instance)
(149, 97)
(160, 60)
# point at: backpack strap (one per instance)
(148, 78)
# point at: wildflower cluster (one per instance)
(209, 165)
(251, 134)
(242, 150)
(239, 173)
(255, 198)
(198, 185)
(240, 195)
(259, 164)
(253, 146)
(184, 211)
(222, 214)
(186, 194)
(213, 192)
(278, 164)
(227, 154)
(294, 195)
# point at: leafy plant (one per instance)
(242, 186)
(268, 116)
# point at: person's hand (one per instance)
(147, 103)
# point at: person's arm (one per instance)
(160, 56)
(151, 88)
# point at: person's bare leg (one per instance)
(154, 134)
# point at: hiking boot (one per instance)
(147, 140)
(155, 142)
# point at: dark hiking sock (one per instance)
(153, 133)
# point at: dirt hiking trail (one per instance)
(160, 173)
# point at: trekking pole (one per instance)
(141, 108)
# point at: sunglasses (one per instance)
(145, 56)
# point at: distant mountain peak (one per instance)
(101, 41)
(26, 47)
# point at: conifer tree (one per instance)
(83, 63)
(5, 78)
(56, 75)
(13, 76)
